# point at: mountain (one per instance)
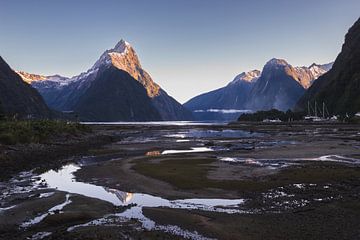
(307, 75)
(278, 86)
(339, 88)
(54, 89)
(110, 86)
(212, 105)
(19, 98)
(64, 94)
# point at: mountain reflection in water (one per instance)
(124, 197)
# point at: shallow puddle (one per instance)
(201, 134)
(64, 180)
(192, 150)
(52, 210)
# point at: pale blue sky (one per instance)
(188, 46)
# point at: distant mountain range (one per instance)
(278, 86)
(339, 88)
(18, 98)
(97, 97)
(117, 88)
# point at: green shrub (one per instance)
(37, 131)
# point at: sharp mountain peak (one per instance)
(121, 46)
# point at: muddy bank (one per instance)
(336, 220)
(26, 218)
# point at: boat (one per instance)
(315, 117)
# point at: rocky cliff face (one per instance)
(64, 93)
(339, 88)
(19, 98)
(124, 57)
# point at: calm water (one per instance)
(160, 123)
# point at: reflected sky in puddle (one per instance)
(63, 180)
(227, 133)
(182, 140)
(50, 211)
(192, 150)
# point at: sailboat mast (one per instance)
(309, 108)
(323, 110)
(315, 109)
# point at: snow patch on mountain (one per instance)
(44, 80)
(105, 60)
(317, 70)
(251, 76)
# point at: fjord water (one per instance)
(161, 123)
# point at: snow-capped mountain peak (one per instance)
(319, 69)
(121, 47)
(36, 78)
(109, 57)
(29, 77)
(124, 57)
(316, 70)
(249, 77)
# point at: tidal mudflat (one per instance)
(194, 181)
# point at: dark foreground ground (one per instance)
(298, 181)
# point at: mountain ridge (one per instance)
(62, 93)
(233, 97)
